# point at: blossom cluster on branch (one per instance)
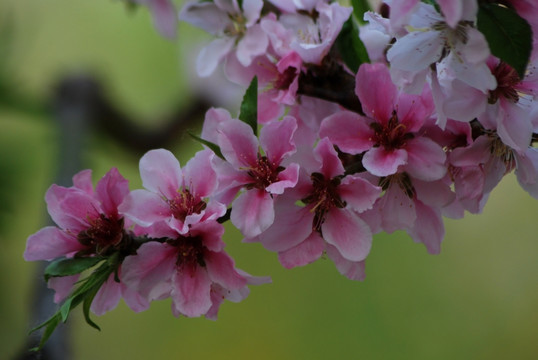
(340, 136)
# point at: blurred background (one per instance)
(478, 299)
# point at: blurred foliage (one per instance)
(478, 299)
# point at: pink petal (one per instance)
(397, 210)
(252, 10)
(107, 298)
(252, 44)
(221, 269)
(348, 233)
(428, 228)
(276, 139)
(111, 190)
(50, 243)
(292, 225)
(206, 16)
(211, 233)
(304, 253)
(200, 177)
(238, 143)
(252, 212)
(358, 193)
(381, 162)
(161, 173)
(191, 293)
(70, 208)
(149, 272)
(331, 165)
(134, 300)
(416, 50)
(452, 10)
(211, 55)
(145, 208)
(376, 91)
(349, 131)
(425, 159)
(213, 118)
(286, 179)
(353, 270)
(164, 17)
(83, 181)
(62, 286)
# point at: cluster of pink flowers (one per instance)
(442, 121)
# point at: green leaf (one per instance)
(249, 106)
(359, 8)
(65, 308)
(350, 46)
(86, 309)
(509, 35)
(72, 266)
(209, 144)
(50, 324)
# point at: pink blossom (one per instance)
(263, 176)
(234, 26)
(175, 197)
(511, 108)
(311, 39)
(329, 218)
(192, 268)
(389, 134)
(89, 225)
(278, 82)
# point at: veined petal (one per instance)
(206, 16)
(111, 190)
(276, 139)
(353, 270)
(107, 298)
(253, 212)
(416, 50)
(200, 177)
(161, 173)
(211, 55)
(304, 253)
(238, 143)
(348, 233)
(191, 293)
(347, 130)
(49, 243)
(292, 225)
(286, 179)
(428, 228)
(150, 271)
(252, 44)
(425, 159)
(376, 91)
(145, 208)
(221, 269)
(381, 162)
(358, 193)
(331, 165)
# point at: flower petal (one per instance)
(348, 233)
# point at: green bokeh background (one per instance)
(477, 300)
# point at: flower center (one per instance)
(503, 152)
(507, 79)
(402, 180)
(284, 80)
(184, 204)
(190, 253)
(391, 135)
(324, 196)
(103, 234)
(263, 174)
